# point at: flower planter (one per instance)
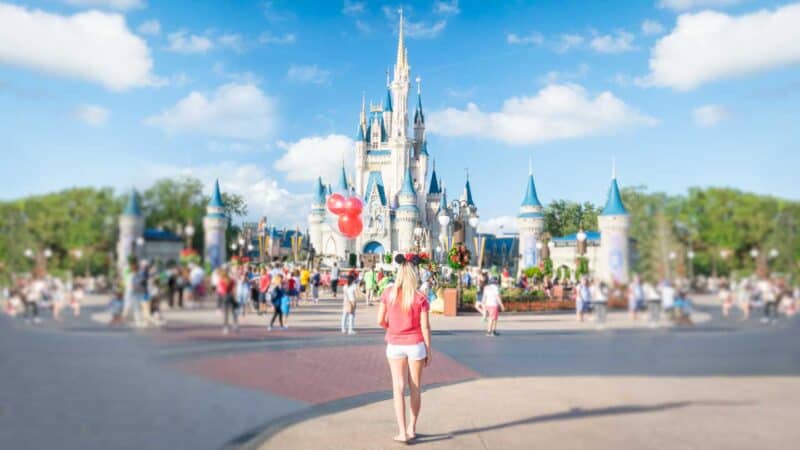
(450, 302)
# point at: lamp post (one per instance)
(188, 231)
(690, 255)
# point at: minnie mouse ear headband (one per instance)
(409, 258)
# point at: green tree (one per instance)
(562, 217)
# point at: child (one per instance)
(291, 288)
(349, 306)
(492, 304)
(115, 307)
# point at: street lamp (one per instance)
(474, 221)
(754, 253)
(773, 253)
(188, 230)
(581, 237)
(28, 253)
(47, 253)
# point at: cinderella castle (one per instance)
(403, 200)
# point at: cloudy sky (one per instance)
(265, 94)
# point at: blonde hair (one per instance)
(405, 283)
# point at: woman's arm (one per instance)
(381, 319)
(425, 323)
(500, 302)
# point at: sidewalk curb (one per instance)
(256, 438)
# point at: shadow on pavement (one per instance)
(574, 413)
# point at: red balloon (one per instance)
(350, 226)
(336, 203)
(353, 206)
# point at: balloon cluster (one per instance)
(348, 211)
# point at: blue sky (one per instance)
(265, 95)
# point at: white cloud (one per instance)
(150, 27)
(685, 5)
(119, 5)
(709, 45)
(558, 111)
(316, 156)
(446, 8)
(651, 27)
(269, 38)
(183, 42)
(262, 193)
(567, 42)
(236, 111)
(308, 74)
(499, 226)
(92, 46)
(274, 15)
(232, 41)
(91, 115)
(554, 76)
(532, 38)
(351, 8)
(363, 27)
(620, 42)
(709, 115)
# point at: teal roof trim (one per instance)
(375, 180)
(360, 134)
(133, 208)
(216, 197)
(614, 205)
(387, 106)
(531, 199)
(343, 185)
(468, 191)
(379, 152)
(319, 194)
(434, 189)
(530, 215)
(408, 184)
(419, 114)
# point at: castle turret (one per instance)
(419, 119)
(131, 231)
(614, 224)
(316, 218)
(399, 87)
(407, 213)
(387, 109)
(215, 223)
(471, 215)
(361, 149)
(530, 222)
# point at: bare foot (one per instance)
(401, 438)
(411, 434)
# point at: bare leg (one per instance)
(399, 368)
(414, 386)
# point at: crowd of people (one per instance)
(28, 294)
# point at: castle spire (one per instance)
(401, 48)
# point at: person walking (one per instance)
(635, 297)
(492, 305)
(132, 287)
(349, 305)
(334, 279)
(370, 285)
(583, 299)
(276, 294)
(316, 281)
(403, 312)
(305, 278)
(225, 289)
(263, 290)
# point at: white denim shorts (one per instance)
(415, 352)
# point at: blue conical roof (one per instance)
(360, 134)
(216, 197)
(408, 184)
(434, 189)
(531, 199)
(419, 115)
(343, 185)
(133, 208)
(387, 105)
(614, 205)
(319, 192)
(468, 194)
(424, 148)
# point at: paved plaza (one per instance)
(545, 381)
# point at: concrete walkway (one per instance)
(575, 413)
(327, 316)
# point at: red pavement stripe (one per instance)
(318, 375)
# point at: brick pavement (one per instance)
(317, 375)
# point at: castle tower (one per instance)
(387, 108)
(399, 87)
(530, 222)
(407, 214)
(215, 223)
(471, 212)
(316, 218)
(361, 149)
(614, 223)
(131, 229)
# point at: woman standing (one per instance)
(403, 313)
(492, 304)
(225, 288)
